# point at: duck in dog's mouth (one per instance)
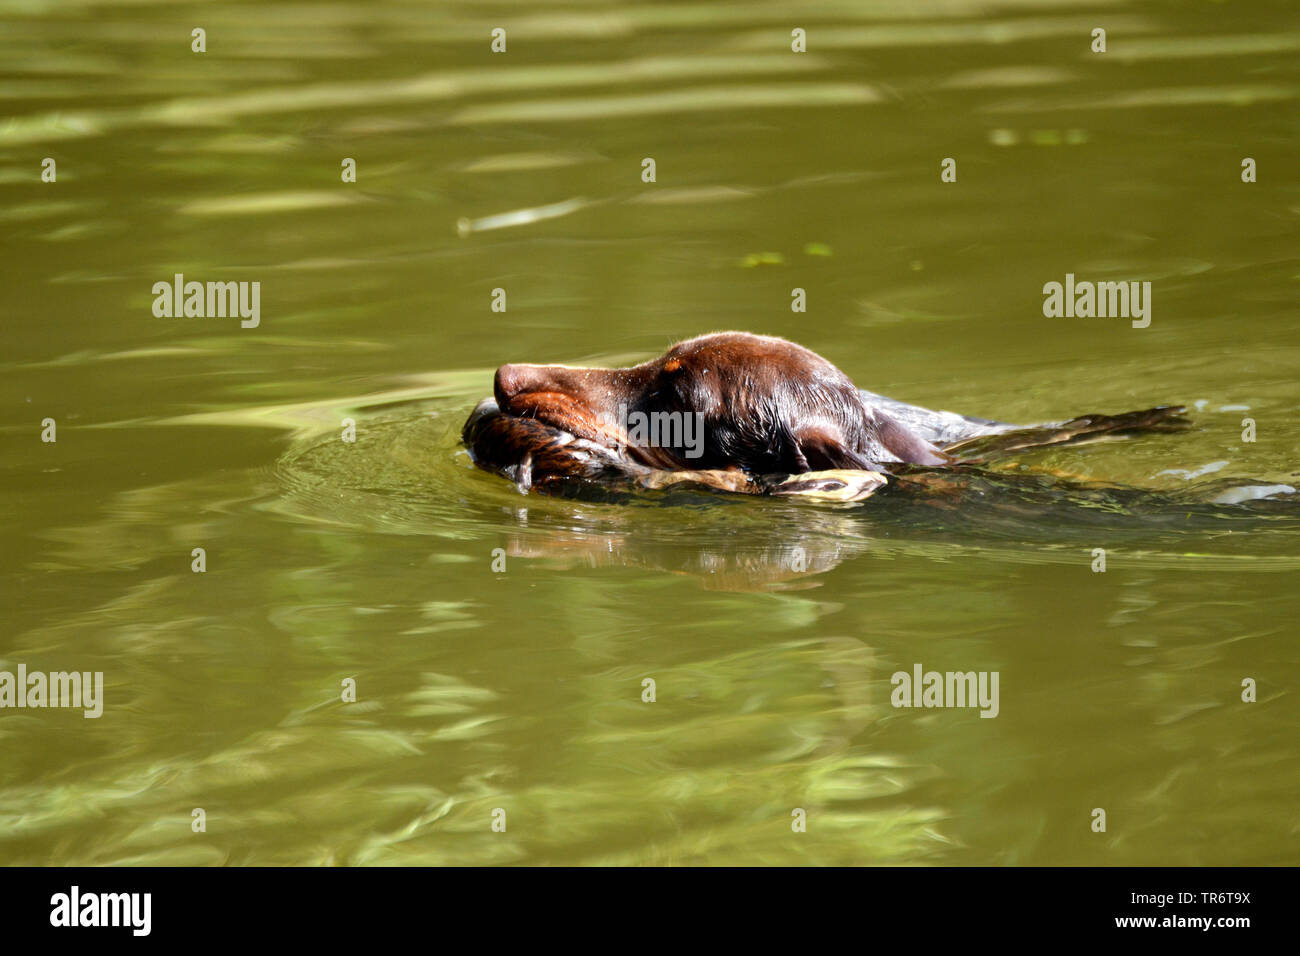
(736, 412)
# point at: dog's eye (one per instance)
(672, 365)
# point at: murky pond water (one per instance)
(771, 629)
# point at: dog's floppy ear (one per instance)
(906, 444)
(819, 448)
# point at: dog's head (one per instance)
(725, 401)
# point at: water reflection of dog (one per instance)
(764, 557)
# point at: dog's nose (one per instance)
(509, 381)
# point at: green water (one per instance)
(521, 690)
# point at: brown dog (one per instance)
(738, 412)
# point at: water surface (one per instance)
(770, 628)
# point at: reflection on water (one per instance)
(770, 628)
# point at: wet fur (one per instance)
(771, 409)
